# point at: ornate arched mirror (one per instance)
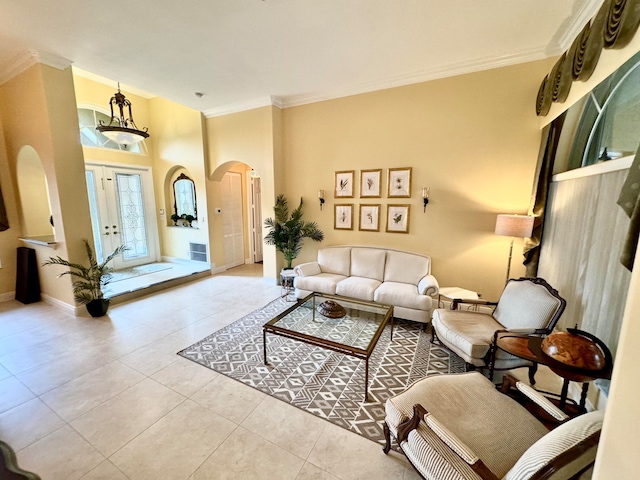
(184, 194)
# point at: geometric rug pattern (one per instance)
(327, 384)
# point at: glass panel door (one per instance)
(121, 204)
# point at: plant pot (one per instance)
(98, 307)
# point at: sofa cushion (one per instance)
(368, 263)
(478, 330)
(405, 267)
(358, 287)
(402, 295)
(335, 260)
(321, 283)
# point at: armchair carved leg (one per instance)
(387, 438)
(532, 373)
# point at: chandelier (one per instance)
(122, 130)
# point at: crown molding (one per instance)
(27, 59)
(576, 24)
(450, 70)
(252, 104)
(111, 83)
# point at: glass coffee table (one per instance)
(355, 334)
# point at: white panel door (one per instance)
(256, 219)
(121, 203)
(232, 219)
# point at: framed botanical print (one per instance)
(343, 217)
(370, 183)
(369, 218)
(344, 184)
(398, 218)
(399, 183)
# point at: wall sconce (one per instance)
(425, 196)
(321, 198)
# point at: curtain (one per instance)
(629, 200)
(544, 172)
(4, 221)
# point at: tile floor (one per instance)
(85, 398)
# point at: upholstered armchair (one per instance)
(458, 426)
(527, 305)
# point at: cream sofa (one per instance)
(380, 275)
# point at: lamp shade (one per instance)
(514, 225)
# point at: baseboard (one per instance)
(574, 393)
(5, 297)
(218, 270)
(75, 309)
(184, 261)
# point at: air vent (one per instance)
(198, 252)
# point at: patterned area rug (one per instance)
(138, 271)
(327, 384)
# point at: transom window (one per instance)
(609, 126)
(89, 137)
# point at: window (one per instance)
(89, 137)
(609, 125)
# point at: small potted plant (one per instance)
(287, 232)
(88, 288)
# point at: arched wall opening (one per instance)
(33, 192)
(234, 196)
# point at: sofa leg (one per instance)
(387, 437)
(469, 367)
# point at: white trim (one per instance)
(243, 106)
(49, 300)
(27, 59)
(596, 169)
(577, 23)
(453, 69)
(6, 297)
(112, 83)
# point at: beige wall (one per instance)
(252, 138)
(177, 136)
(40, 104)
(473, 139)
(9, 238)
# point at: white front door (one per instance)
(122, 206)
(231, 186)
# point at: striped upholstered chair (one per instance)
(459, 427)
(527, 305)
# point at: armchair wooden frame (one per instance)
(478, 466)
(458, 302)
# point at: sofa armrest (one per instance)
(428, 285)
(307, 269)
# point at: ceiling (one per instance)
(243, 54)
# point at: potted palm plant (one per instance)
(287, 232)
(88, 288)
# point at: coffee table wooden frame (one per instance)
(350, 350)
